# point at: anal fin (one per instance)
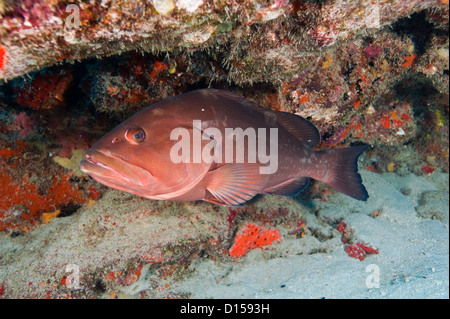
(290, 187)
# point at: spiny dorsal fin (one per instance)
(301, 128)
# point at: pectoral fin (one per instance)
(234, 184)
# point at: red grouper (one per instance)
(216, 146)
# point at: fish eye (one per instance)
(135, 135)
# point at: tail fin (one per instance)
(341, 167)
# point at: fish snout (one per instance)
(88, 164)
(103, 166)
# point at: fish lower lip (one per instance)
(92, 161)
(130, 173)
(95, 163)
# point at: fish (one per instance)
(216, 146)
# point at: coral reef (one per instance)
(23, 201)
(56, 31)
(45, 90)
(369, 71)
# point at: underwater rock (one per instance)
(46, 90)
(428, 207)
(34, 34)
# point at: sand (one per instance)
(411, 233)
(413, 259)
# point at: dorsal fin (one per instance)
(301, 128)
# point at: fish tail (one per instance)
(340, 170)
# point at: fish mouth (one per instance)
(113, 170)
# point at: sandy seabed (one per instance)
(411, 233)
